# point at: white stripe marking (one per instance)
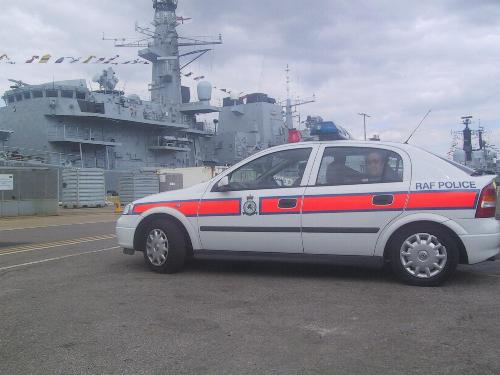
(58, 225)
(57, 258)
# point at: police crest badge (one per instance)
(249, 207)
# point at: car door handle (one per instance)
(383, 200)
(287, 203)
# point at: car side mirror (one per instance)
(223, 184)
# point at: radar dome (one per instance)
(204, 91)
(234, 96)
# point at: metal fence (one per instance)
(35, 191)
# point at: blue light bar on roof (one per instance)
(329, 131)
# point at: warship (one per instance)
(67, 124)
(471, 148)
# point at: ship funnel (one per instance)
(204, 91)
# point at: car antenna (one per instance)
(418, 126)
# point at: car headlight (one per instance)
(129, 209)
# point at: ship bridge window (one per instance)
(91, 107)
(80, 95)
(27, 95)
(67, 94)
(10, 99)
(19, 97)
(51, 93)
(37, 94)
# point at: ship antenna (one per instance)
(418, 126)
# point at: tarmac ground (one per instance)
(72, 303)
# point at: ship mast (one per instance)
(162, 49)
(291, 106)
(165, 85)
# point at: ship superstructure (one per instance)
(247, 125)
(69, 124)
(65, 123)
(471, 148)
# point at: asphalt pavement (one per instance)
(72, 303)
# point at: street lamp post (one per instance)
(364, 121)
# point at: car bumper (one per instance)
(125, 230)
(482, 240)
(481, 247)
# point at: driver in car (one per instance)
(377, 168)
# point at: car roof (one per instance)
(424, 163)
(358, 143)
(354, 141)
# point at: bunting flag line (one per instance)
(33, 58)
(88, 59)
(5, 59)
(111, 59)
(45, 59)
(92, 59)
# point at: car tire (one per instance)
(423, 255)
(165, 246)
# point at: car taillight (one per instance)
(487, 205)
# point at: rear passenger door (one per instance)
(352, 194)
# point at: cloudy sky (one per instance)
(392, 59)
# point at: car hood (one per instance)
(192, 193)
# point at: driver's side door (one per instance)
(260, 209)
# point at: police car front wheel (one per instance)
(164, 246)
(423, 255)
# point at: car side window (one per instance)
(359, 165)
(282, 169)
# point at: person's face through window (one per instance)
(375, 164)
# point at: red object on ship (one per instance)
(293, 136)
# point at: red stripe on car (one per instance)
(270, 206)
(220, 207)
(350, 203)
(188, 208)
(442, 200)
(194, 208)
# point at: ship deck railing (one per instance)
(73, 134)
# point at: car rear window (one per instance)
(359, 165)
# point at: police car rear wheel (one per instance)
(165, 247)
(423, 255)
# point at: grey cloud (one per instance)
(393, 59)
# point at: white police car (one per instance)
(342, 201)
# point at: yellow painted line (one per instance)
(37, 246)
(58, 225)
(57, 258)
(101, 237)
(62, 242)
(50, 245)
